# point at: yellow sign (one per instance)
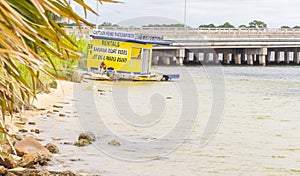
(119, 55)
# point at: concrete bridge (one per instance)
(228, 46)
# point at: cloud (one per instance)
(145, 20)
(274, 12)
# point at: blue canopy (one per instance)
(132, 40)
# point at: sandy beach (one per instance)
(47, 100)
(43, 104)
(49, 111)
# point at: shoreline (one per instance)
(53, 120)
(43, 104)
(64, 89)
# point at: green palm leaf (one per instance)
(29, 39)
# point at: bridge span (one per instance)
(216, 45)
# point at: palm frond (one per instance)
(29, 39)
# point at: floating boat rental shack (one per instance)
(123, 55)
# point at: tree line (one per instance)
(255, 24)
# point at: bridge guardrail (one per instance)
(198, 33)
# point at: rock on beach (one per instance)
(30, 145)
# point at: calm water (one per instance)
(258, 134)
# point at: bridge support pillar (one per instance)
(243, 58)
(155, 60)
(250, 59)
(238, 59)
(179, 61)
(166, 60)
(277, 57)
(255, 59)
(180, 54)
(296, 57)
(262, 59)
(286, 57)
(215, 58)
(196, 57)
(268, 59)
(206, 58)
(226, 58)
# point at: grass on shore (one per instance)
(64, 68)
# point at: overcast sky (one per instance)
(275, 13)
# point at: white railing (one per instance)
(196, 33)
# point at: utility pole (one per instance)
(69, 18)
(184, 13)
(97, 15)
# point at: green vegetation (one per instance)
(104, 24)
(256, 24)
(243, 26)
(288, 27)
(34, 47)
(207, 26)
(56, 18)
(164, 25)
(108, 24)
(226, 25)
